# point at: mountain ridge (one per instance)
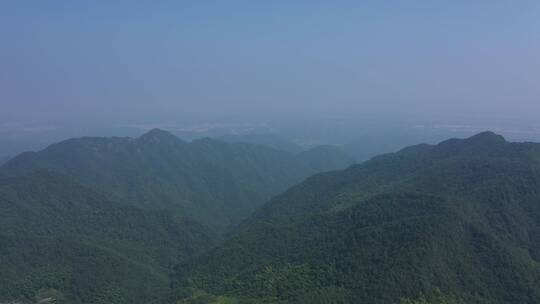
(455, 221)
(216, 183)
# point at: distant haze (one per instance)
(72, 68)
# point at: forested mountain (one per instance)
(214, 182)
(321, 158)
(457, 222)
(64, 242)
(104, 220)
(89, 221)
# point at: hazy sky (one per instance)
(149, 61)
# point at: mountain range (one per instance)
(457, 222)
(105, 220)
(155, 219)
(214, 182)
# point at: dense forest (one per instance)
(105, 220)
(60, 237)
(122, 220)
(457, 222)
(269, 152)
(214, 182)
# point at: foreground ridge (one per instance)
(455, 222)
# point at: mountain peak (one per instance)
(158, 135)
(156, 132)
(486, 137)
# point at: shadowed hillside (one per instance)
(211, 181)
(458, 222)
(60, 238)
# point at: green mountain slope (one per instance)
(63, 241)
(457, 222)
(211, 181)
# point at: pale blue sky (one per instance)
(151, 61)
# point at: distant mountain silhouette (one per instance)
(215, 182)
